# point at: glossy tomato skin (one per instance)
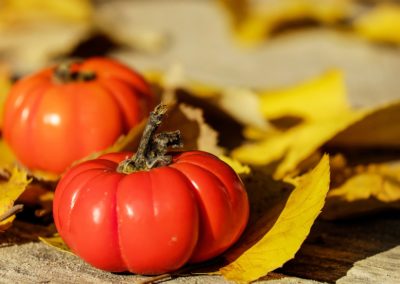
(150, 222)
(49, 124)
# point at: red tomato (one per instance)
(62, 114)
(153, 221)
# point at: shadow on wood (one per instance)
(332, 248)
(22, 232)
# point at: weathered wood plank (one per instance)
(384, 267)
(333, 248)
(365, 250)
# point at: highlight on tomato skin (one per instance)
(64, 113)
(150, 221)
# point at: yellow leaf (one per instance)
(56, 242)
(291, 147)
(363, 128)
(322, 106)
(375, 187)
(255, 21)
(315, 99)
(237, 166)
(284, 238)
(9, 192)
(381, 24)
(326, 118)
(13, 11)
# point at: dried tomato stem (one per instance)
(63, 73)
(153, 148)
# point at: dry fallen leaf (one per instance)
(289, 148)
(315, 99)
(9, 192)
(321, 116)
(257, 255)
(22, 11)
(255, 21)
(380, 24)
(321, 107)
(238, 167)
(361, 189)
(377, 129)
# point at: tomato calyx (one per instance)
(64, 74)
(153, 147)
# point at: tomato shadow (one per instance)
(267, 198)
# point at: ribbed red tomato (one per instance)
(64, 113)
(150, 221)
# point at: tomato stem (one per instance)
(153, 148)
(63, 73)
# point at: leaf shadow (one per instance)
(230, 130)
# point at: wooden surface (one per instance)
(362, 250)
(351, 251)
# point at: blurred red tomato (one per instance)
(62, 114)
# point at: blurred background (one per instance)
(255, 43)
